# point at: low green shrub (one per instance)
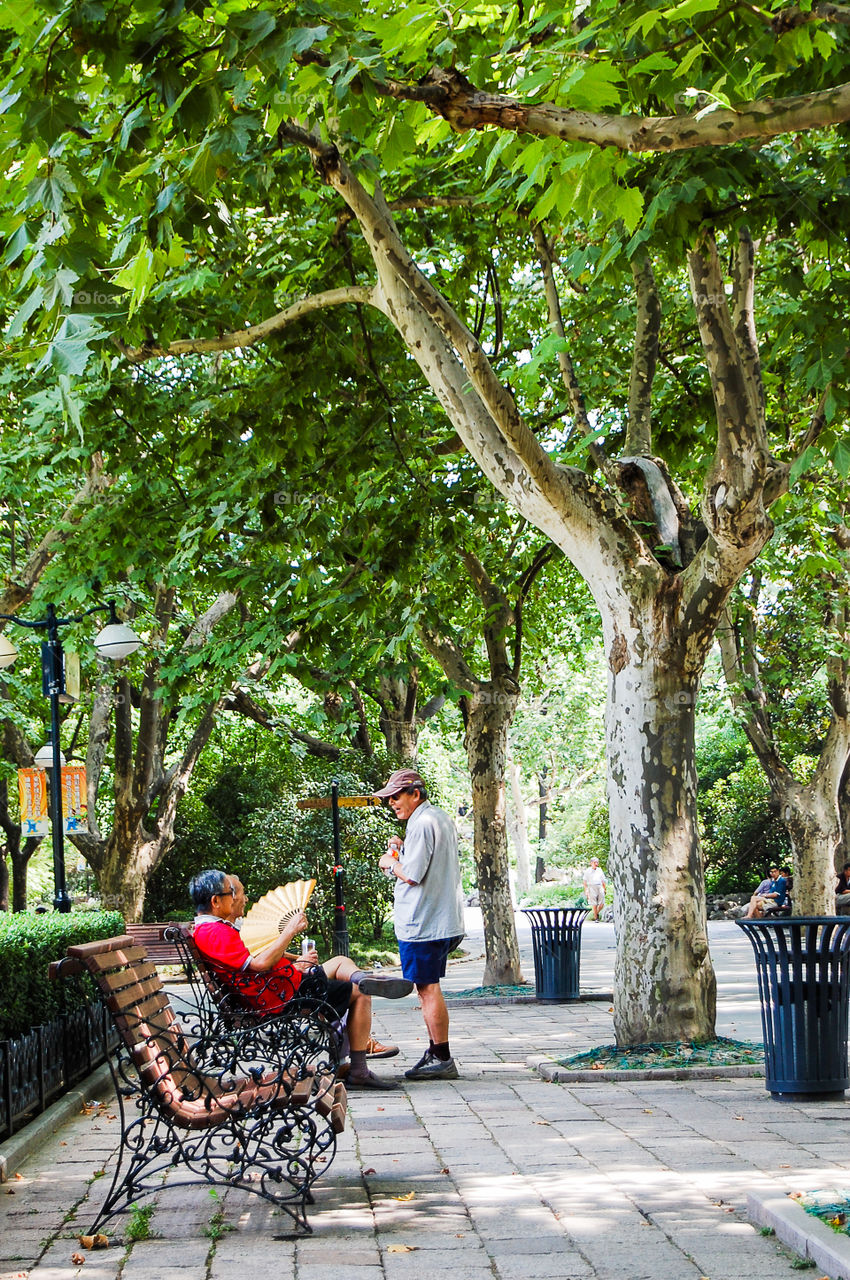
(28, 944)
(554, 895)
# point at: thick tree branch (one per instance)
(733, 502)
(447, 652)
(482, 410)
(251, 334)
(736, 638)
(498, 617)
(644, 358)
(565, 364)
(743, 321)
(788, 19)
(447, 93)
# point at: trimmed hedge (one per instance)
(28, 944)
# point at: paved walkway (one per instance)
(496, 1176)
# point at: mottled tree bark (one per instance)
(489, 713)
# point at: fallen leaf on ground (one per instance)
(365, 1171)
(409, 1196)
(78, 1259)
(86, 1242)
(402, 1248)
(445, 1170)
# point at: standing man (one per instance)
(594, 887)
(427, 911)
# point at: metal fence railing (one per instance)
(38, 1067)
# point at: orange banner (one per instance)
(32, 788)
(74, 798)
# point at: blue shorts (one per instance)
(424, 963)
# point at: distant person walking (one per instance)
(595, 885)
(427, 909)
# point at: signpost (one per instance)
(334, 802)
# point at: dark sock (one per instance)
(440, 1051)
(357, 975)
(359, 1066)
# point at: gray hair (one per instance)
(204, 886)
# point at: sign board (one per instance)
(74, 809)
(32, 789)
(344, 802)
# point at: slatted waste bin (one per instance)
(556, 942)
(803, 966)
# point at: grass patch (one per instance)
(139, 1225)
(721, 1052)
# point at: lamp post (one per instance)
(115, 641)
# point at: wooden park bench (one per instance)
(152, 938)
(258, 1112)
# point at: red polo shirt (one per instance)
(219, 942)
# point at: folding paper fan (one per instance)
(270, 915)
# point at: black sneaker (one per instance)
(384, 984)
(431, 1067)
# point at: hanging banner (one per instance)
(74, 798)
(32, 788)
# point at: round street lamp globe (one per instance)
(8, 652)
(116, 641)
(43, 758)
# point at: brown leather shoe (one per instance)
(374, 1049)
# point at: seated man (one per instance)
(842, 888)
(219, 902)
(767, 898)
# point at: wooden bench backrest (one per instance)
(133, 993)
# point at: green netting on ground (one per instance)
(832, 1207)
(721, 1052)
(476, 993)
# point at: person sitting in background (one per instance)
(772, 897)
(842, 887)
(268, 980)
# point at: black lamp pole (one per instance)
(341, 939)
(53, 686)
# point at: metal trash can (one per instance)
(803, 966)
(556, 942)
